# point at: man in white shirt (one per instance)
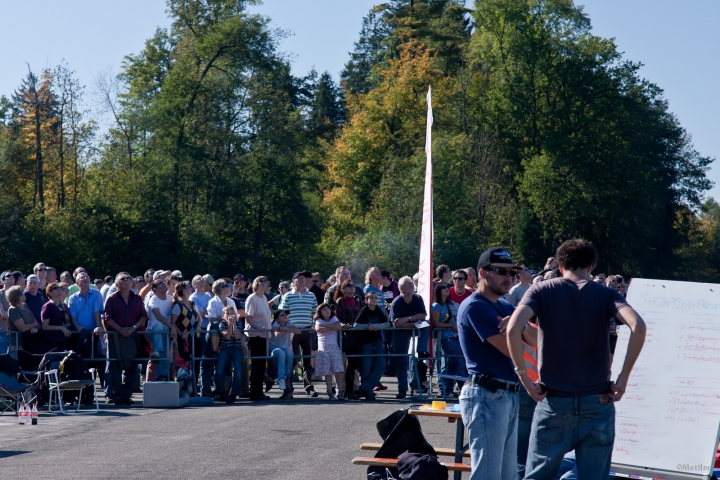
(159, 328)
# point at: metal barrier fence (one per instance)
(412, 358)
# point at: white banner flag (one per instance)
(425, 269)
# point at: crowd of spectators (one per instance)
(349, 332)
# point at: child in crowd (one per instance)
(328, 360)
(281, 346)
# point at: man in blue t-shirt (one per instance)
(489, 399)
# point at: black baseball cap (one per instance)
(497, 257)
(239, 275)
(302, 273)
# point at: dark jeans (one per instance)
(234, 357)
(372, 367)
(257, 346)
(525, 418)
(302, 342)
(453, 363)
(353, 365)
(205, 367)
(563, 424)
(120, 384)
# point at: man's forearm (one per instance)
(635, 344)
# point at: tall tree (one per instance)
(35, 105)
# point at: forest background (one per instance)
(220, 160)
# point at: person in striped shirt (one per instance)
(302, 305)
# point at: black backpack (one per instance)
(73, 367)
(418, 466)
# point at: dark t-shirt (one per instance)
(573, 349)
(35, 303)
(477, 321)
(367, 316)
(399, 308)
(318, 292)
(239, 301)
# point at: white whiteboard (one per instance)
(668, 419)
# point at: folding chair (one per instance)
(29, 365)
(12, 393)
(56, 387)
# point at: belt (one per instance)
(493, 385)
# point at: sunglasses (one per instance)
(262, 281)
(159, 282)
(125, 279)
(139, 280)
(502, 271)
(42, 269)
(444, 288)
(459, 279)
(54, 288)
(316, 281)
(349, 285)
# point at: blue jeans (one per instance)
(452, 364)
(284, 358)
(491, 419)
(159, 339)
(371, 368)
(4, 343)
(401, 344)
(234, 356)
(563, 424)
(525, 417)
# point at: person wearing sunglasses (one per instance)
(124, 314)
(459, 291)
(489, 399)
(56, 322)
(41, 271)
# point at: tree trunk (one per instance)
(258, 235)
(61, 154)
(38, 157)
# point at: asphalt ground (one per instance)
(303, 438)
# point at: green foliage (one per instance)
(219, 160)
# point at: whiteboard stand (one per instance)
(668, 423)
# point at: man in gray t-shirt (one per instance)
(574, 391)
(517, 292)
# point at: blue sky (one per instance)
(676, 41)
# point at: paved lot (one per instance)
(300, 439)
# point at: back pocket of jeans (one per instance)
(549, 427)
(602, 426)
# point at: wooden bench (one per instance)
(392, 463)
(445, 452)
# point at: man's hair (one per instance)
(339, 270)
(576, 254)
(316, 274)
(228, 309)
(78, 269)
(82, 273)
(405, 280)
(440, 270)
(37, 266)
(385, 274)
(108, 279)
(470, 269)
(50, 269)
